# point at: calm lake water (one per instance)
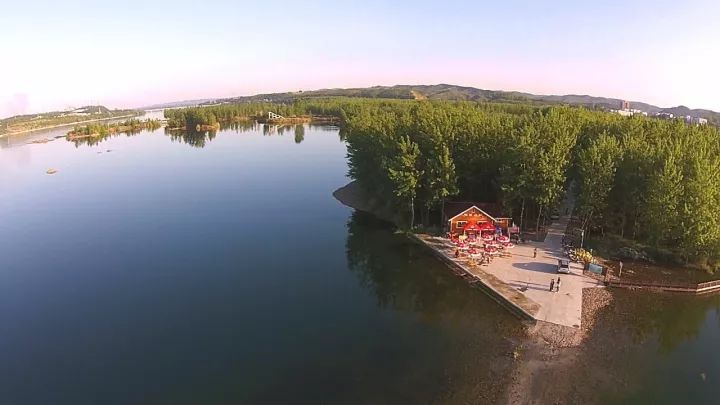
(161, 268)
(220, 269)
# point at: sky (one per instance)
(124, 54)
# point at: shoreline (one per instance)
(545, 349)
(9, 134)
(353, 196)
(514, 282)
(548, 352)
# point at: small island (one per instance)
(94, 133)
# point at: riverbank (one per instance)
(549, 351)
(9, 134)
(518, 279)
(553, 336)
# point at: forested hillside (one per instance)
(464, 93)
(24, 123)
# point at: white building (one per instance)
(696, 120)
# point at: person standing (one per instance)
(621, 266)
(557, 285)
(534, 253)
(552, 284)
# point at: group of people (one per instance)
(555, 286)
(484, 259)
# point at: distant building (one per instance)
(626, 111)
(665, 115)
(629, 112)
(695, 120)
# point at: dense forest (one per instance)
(465, 93)
(649, 180)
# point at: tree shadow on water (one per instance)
(405, 276)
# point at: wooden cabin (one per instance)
(475, 217)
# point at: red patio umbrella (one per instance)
(471, 227)
(487, 226)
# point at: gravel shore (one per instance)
(549, 351)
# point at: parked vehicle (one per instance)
(555, 215)
(563, 266)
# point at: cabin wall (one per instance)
(478, 217)
(467, 217)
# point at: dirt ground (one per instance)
(546, 359)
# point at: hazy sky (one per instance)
(57, 54)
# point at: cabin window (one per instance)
(460, 224)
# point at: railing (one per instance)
(709, 285)
(695, 288)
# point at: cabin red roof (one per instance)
(456, 207)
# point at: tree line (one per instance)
(225, 113)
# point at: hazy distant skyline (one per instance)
(131, 54)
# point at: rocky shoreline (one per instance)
(549, 351)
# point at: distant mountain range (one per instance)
(453, 92)
(176, 104)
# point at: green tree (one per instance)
(596, 174)
(441, 180)
(404, 173)
(662, 208)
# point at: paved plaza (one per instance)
(524, 280)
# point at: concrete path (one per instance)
(521, 272)
(533, 275)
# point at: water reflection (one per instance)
(299, 133)
(196, 139)
(199, 139)
(272, 129)
(672, 320)
(239, 126)
(98, 139)
(644, 348)
(469, 336)
(403, 276)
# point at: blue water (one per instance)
(151, 270)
